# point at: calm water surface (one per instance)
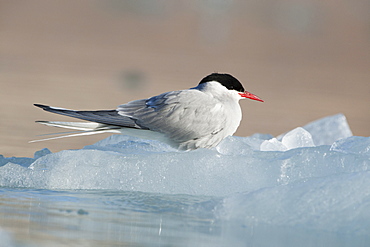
(92, 218)
(31, 217)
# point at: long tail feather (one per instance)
(84, 129)
(77, 125)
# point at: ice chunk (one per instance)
(129, 144)
(18, 160)
(273, 145)
(352, 145)
(125, 163)
(23, 161)
(235, 146)
(242, 145)
(41, 153)
(297, 138)
(237, 165)
(335, 203)
(324, 131)
(329, 129)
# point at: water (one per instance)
(310, 187)
(118, 218)
(47, 217)
(32, 217)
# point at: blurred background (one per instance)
(306, 58)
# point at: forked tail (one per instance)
(81, 128)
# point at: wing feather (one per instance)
(176, 115)
(110, 117)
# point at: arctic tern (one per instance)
(199, 117)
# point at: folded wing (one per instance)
(109, 117)
(180, 115)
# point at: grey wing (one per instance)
(181, 115)
(109, 117)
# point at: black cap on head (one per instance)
(228, 81)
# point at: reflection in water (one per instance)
(42, 217)
(109, 218)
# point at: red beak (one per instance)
(250, 96)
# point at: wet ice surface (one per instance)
(307, 187)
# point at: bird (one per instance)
(199, 117)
